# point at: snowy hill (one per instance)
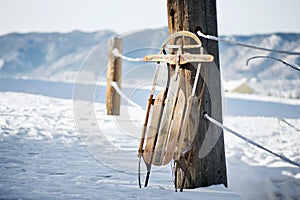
(234, 58)
(265, 76)
(59, 56)
(43, 55)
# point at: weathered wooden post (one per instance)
(194, 16)
(114, 73)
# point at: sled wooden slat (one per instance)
(189, 127)
(166, 120)
(153, 127)
(175, 129)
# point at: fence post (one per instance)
(114, 73)
(193, 16)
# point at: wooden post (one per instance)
(194, 16)
(114, 73)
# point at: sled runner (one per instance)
(174, 113)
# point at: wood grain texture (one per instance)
(175, 128)
(166, 120)
(114, 73)
(151, 136)
(194, 15)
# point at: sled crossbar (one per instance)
(184, 58)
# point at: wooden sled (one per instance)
(175, 116)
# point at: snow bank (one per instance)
(44, 156)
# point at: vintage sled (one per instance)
(174, 115)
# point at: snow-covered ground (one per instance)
(44, 155)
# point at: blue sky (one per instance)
(234, 16)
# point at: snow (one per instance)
(43, 158)
(45, 155)
(232, 84)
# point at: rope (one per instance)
(282, 157)
(210, 37)
(294, 66)
(117, 53)
(118, 90)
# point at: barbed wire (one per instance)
(289, 124)
(282, 157)
(215, 122)
(294, 66)
(210, 37)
